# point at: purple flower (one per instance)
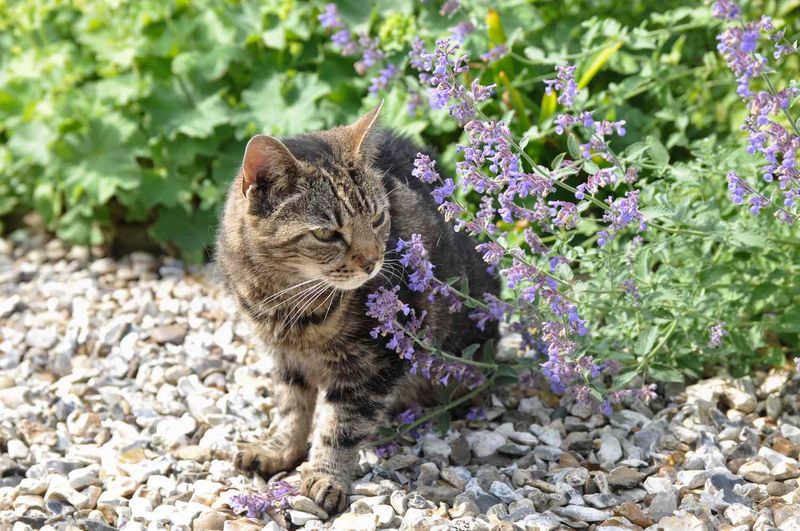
(736, 188)
(446, 190)
(461, 30)
(370, 54)
(414, 103)
(330, 17)
(449, 7)
(255, 504)
(344, 41)
(736, 45)
(481, 92)
(631, 289)
(381, 81)
(476, 413)
(409, 416)
(387, 450)
(495, 311)
(717, 333)
(492, 252)
(438, 70)
(757, 202)
(564, 214)
(384, 305)
(563, 83)
(646, 393)
(414, 256)
(495, 53)
(622, 212)
(726, 10)
(563, 122)
(749, 40)
(425, 168)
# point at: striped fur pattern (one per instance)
(307, 233)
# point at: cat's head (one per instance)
(313, 205)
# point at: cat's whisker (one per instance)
(281, 292)
(330, 304)
(310, 295)
(293, 297)
(391, 269)
(392, 190)
(329, 296)
(294, 315)
(302, 311)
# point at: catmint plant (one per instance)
(772, 130)
(253, 505)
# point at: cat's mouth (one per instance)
(356, 279)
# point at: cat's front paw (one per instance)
(327, 491)
(264, 460)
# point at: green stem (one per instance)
(437, 411)
(443, 354)
(647, 357)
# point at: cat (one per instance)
(306, 234)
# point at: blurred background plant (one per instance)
(123, 123)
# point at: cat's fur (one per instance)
(319, 338)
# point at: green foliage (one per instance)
(136, 113)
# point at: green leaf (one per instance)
(189, 233)
(665, 374)
(789, 322)
(102, 160)
(573, 147)
(281, 106)
(747, 238)
(658, 153)
(487, 353)
(506, 375)
(207, 115)
(443, 422)
(469, 352)
(647, 341)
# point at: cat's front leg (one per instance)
(347, 415)
(287, 446)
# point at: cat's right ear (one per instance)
(268, 162)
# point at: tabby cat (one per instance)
(309, 224)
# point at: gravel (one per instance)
(125, 386)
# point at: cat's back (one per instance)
(414, 211)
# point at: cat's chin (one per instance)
(351, 284)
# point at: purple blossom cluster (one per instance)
(772, 132)
(623, 212)
(564, 83)
(276, 496)
(716, 335)
(496, 53)
(438, 71)
(460, 31)
(386, 307)
(449, 7)
(491, 166)
(349, 44)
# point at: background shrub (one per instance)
(123, 123)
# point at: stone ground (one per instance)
(124, 386)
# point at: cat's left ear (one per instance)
(359, 130)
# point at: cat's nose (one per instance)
(368, 264)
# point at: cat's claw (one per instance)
(327, 491)
(263, 460)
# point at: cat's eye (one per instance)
(378, 220)
(325, 235)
